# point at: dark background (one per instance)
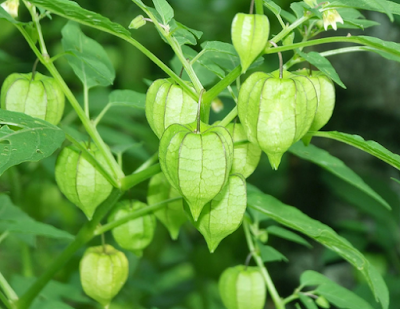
(183, 274)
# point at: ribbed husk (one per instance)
(224, 213)
(172, 216)
(276, 112)
(103, 272)
(242, 288)
(245, 156)
(136, 234)
(326, 99)
(80, 181)
(197, 164)
(249, 37)
(40, 98)
(167, 103)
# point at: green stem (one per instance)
(287, 30)
(5, 301)
(86, 99)
(85, 234)
(228, 118)
(102, 113)
(290, 298)
(4, 235)
(90, 128)
(259, 7)
(152, 160)
(134, 215)
(329, 53)
(270, 285)
(36, 20)
(137, 177)
(8, 290)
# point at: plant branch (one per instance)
(259, 7)
(228, 118)
(138, 213)
(268, 281)
(90, 128)
(8, 290)
(137, 177)
(85, 234)
(5, 301)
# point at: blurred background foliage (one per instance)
(183, 274)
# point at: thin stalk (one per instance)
(287, 30)
(268, 281)
(134, 215)
(90, 128)
(86, 99)
(290, 298)
(36, 20)
(280, 61)
(333, 52)
(4, 235)
(27, 269)
(135, 178)
(8, 290)
(228, 118)
(102, 113)
(152, 160)
(5, 301)
(85, 234)
(259, 7)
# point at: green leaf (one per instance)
(371, 147)
(23, 138)
(165, 10)
(90, 61)
(270, 254)
(14, 220)
(293, 218)
(334, 293)
(289, 235)
(273, 7)
(183, 34)
(127, 98)
(307, 301)
(323, 65)
(71, 10)
(382, 6)
(388, 50)
(336, 167)
(396, 180)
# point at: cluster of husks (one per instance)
(199, 163)
(277, 111)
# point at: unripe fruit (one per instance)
(103, 271)
(80, 181)
(167, 103)
(172, 215)
(197, 164)
(249, 37)
(326, 99)
(242, 288)
(136, 234)
(245, 156)
(224, 213)
(276, 112)
(40, 97)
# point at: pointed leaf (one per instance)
(165, 10)
(323, 65)
(127, 98)
(371, 147)
(336, 167)
(295, 219)
(286, 234)
(334, 293)
(23, 138)
(14, 220)
(307, 301)
(90, 61)
(270, 254)
(383, 6)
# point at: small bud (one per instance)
(11, 7)
(137, 22)
(217, 105)
(322, 302)
(331, 17)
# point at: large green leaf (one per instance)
(127, 98)
(334, 293)
(382, 6)
(295, 219)
(14, 220)
(23, 138)
(89, 61)
(371, 147)
(323, 65)
(288, 235)
(336, 167)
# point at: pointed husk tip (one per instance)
(274, 159)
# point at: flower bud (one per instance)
(137, 22)
(331, 17)
(11, 7)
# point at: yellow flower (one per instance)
(11, 7)
(331, 17)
